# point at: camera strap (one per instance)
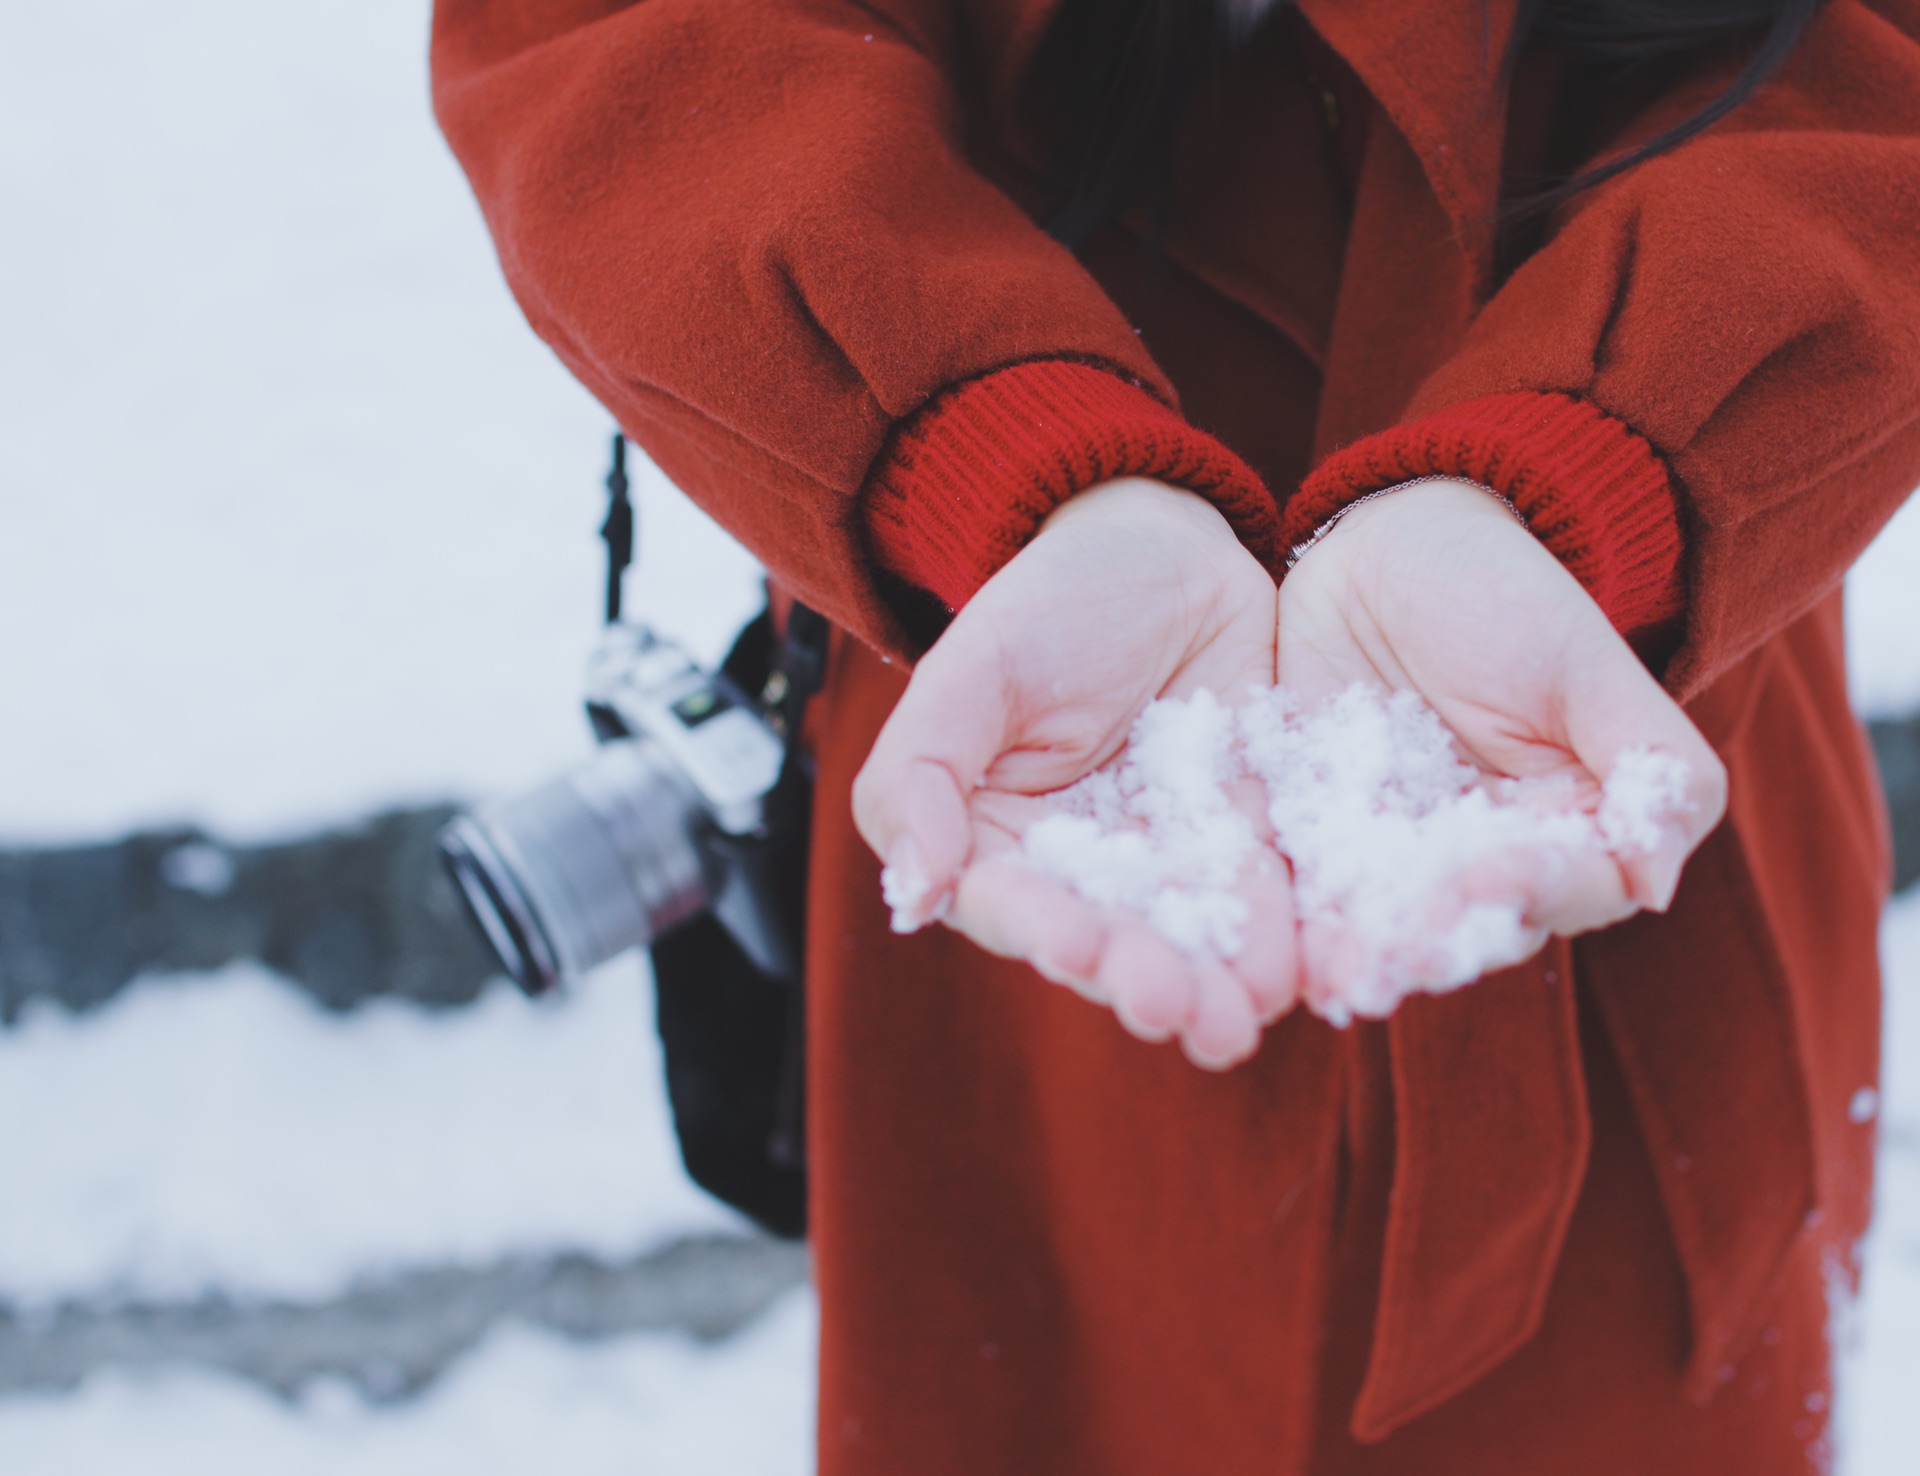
(799, 669)
(617, 531)
(799, 663)
(733, 1034)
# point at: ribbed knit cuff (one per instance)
(968, 479)
(1590, 487)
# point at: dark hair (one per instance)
(1113, 78)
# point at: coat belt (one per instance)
(1492, 1134)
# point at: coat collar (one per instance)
(1434, 68)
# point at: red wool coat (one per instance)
(1582, 1216)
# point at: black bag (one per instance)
(734, 1035)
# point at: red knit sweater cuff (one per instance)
(1590, 487)
(968, 479)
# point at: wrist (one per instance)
(1594, 492)
(1156, 529)
(1137, 548)
(1320, 534)
(969, 478)
(1142, 501)
(1432, 505)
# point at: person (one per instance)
(1024, 339)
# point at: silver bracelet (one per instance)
(1299, 550)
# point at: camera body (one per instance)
(691, 803)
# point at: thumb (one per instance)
(1613, 706)
(911, 797)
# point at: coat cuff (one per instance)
(967, 480)
(1590, 487)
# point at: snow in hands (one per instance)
(1157, 833)
(1403, 853)
(1410, 864)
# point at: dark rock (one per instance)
(347, 914)
(1896, 746)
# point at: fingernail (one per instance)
(1086, 988)
(1222, 1059)
(904, 884)
(1129, 1017)
(1663, 875)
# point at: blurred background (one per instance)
(296, 552)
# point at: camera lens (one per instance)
(597, 861)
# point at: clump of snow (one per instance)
(1388, 829)
(1156, 833)
(1645, 791)
(904, 885)
(1380, 817)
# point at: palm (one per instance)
(1383, 602)
(1439, 590)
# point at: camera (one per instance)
(692, 803)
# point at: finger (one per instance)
(1148, 980)
(1563, 891)
(1221, 1029)
(910, 799)
(1590, 891)
(1613, 705)
(1012, 910)
(1268, 964)
(1336, 966)
(1485, 940)
(1653, 872)
(931, 841)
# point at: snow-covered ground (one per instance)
(224, 1133)
(159, 1189)
(296, 522)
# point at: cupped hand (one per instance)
(1439, 589)
(1132, 591)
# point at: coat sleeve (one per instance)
(1704, 391)
(751, 229)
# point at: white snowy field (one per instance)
(296, 522)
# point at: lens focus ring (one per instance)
(603, 857)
